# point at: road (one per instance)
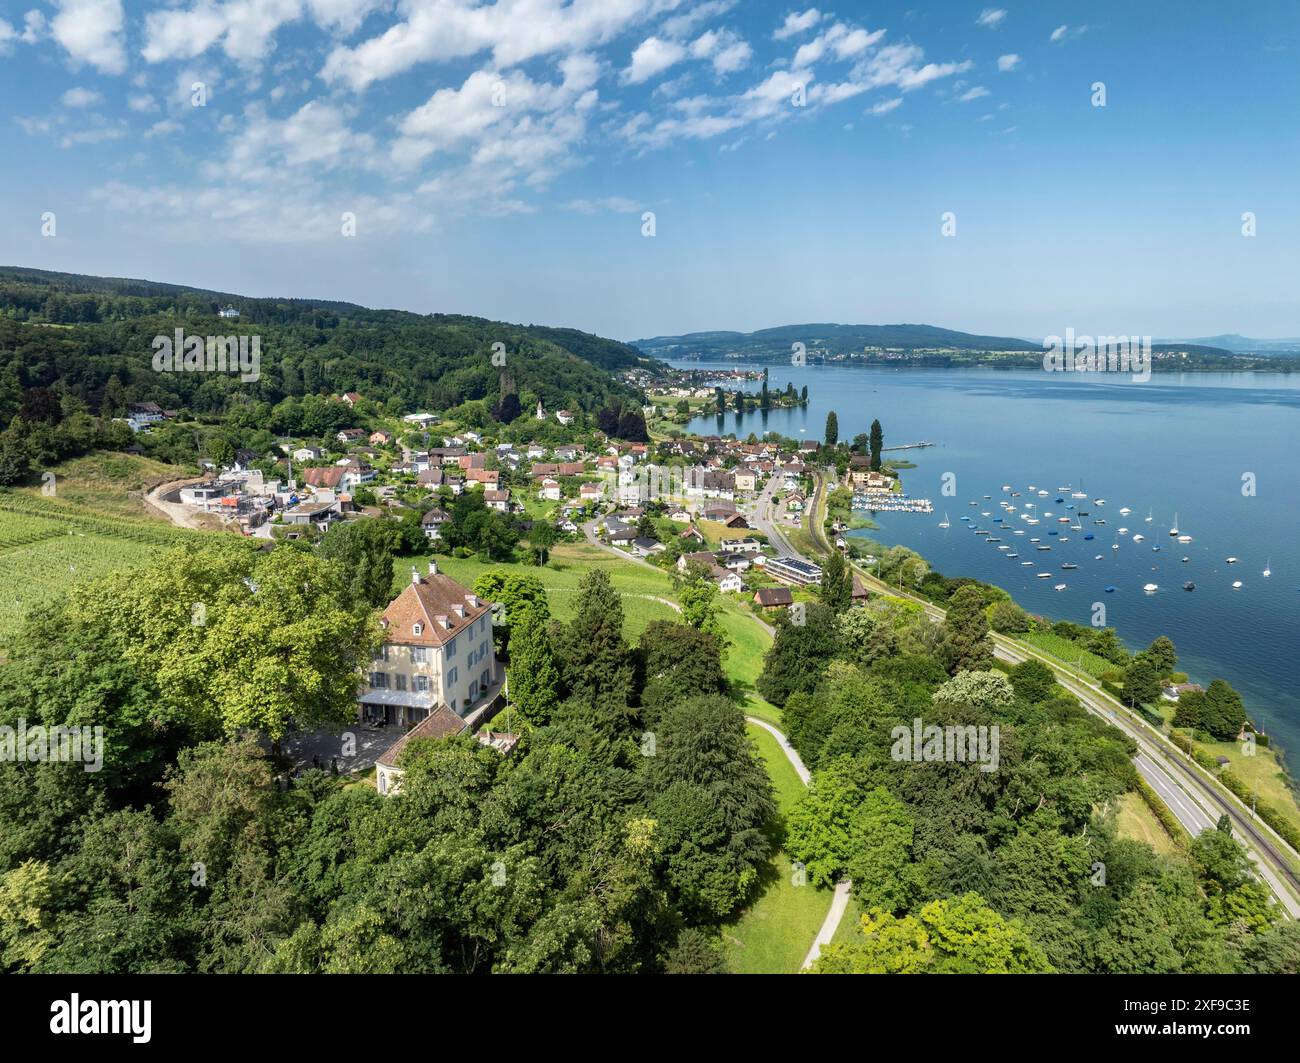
(1193, 797)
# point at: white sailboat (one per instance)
(1173, 528)
(1150, 515)
(1267, 571)
(944, 523)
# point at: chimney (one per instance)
(433, 567)
(415, 575)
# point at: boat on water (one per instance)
(1100, 520)
(1124, 511)
(1088, 537)
(1044, 548)
(944, 523)
(1267, 571)
(1123, 531)
(1065, 538)
(1006, 487)
(1035, 540)
(1110, 588)
(1026, 563)
(1184, 538)
(1044, 575)
(1236, 585)
(993, 539)
(1186, 559)
(1019, 531)
(980, 531)
(1189, 586)
(1150, 515)
(1231, 560)
(988, 496)
(965, 518)
(1138, 538)
(1059, 587)
(1150, 588)
(1069, 565)
(1053, 531)
(1173, 528)
(1114, 546)
(1013, 555)
(1078, 494)
(1042, 494)
(1155, 549)
(1098, 557)
(1062, 520)
(974, 503)
(1098, 501)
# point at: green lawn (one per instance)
(1135, 820)
(776, 931)
(639, 586)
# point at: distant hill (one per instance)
(1238, 344)
(835, 339)
(920, 345)
(309, 347)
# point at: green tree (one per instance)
(836, 591)
(597, 662)
(1223, 714)
(1007, 617)
(533, 671)
(799, 654)
(1033, 681)
(1141, 681)
(966, 643)
(960, 935)
(832, 429)
(1163, 655)
(699, 599)
(877, 442)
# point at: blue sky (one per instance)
(499, 158)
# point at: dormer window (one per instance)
(418, 628)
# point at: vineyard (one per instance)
(48, 546)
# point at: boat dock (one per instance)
(892, 503)
(909, 446)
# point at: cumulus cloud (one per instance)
(973, 94)
(652, 56)
(991, 17)
(90, 31)
(1008, 62)
(885, 106)
(796, 23)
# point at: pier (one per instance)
(885, 502)
(909, 446)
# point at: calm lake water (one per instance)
(1176, 444)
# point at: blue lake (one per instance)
(1184, 444)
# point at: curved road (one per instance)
(1192, 796)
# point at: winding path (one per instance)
(840, 899)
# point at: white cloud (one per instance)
(79, 97)
(991, 17)
(164, 128)
(885, 106)
(726, 50)
(34, 26)
(796, 22)
(7, 33)
(613, 204)
(896, 65)
(973, 94)
(652, 56)
(245, 29)
(90, 32)
(141, 102)
(1059, 33)
(1063, 32)
(1008, 62)
(512, 30)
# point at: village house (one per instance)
(550, 490)
(498, 500)
(351, 435)
(564, 417)
(379, 438)
(590, 492)
(351, 398)
(437, 652)
(431, 523)
(728, 582)
(773, 598)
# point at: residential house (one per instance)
(431, 523)
(351, 398)
(645, 547)
(351, 435)
(728, 582)
(498, 500)
(380, 438)
(773, 597)
(550, 490)
(564, 417)
(437, 651)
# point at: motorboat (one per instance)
(1150, 588)
(1124, 511)
(1110, 588)
(1236, 585)
(1189, 586)
(1069, 565)
(1044, 575)
(1138, 538)
(1231, 560)
(1059, 587)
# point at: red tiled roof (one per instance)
(440, 723)
(422, 603)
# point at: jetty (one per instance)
(909, 446)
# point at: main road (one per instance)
(1191, 794)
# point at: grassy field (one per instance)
(1262, 771)
(1067, 651)
(108, 483)
(1135, 820)
(775, 932)
(48, 545)
(639, 586)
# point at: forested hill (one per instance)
(73, 333)
(913, 344)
